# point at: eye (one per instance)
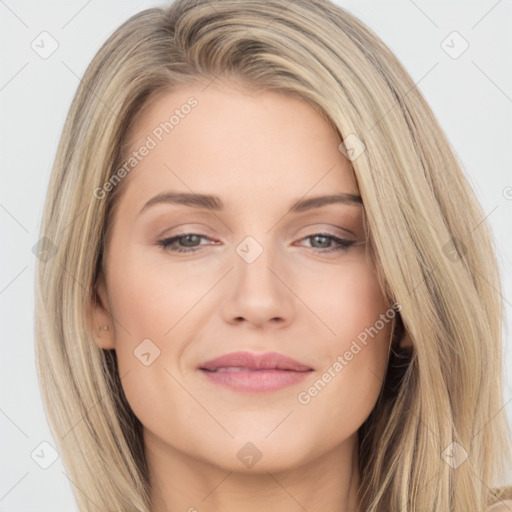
(323, 238)
(189, 246)
(190, 242)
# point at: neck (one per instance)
(328, 483)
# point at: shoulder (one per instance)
(501, 506)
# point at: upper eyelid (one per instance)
(319, 232)
(318, 226)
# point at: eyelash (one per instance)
(166, 243)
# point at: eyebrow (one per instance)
(210, 202)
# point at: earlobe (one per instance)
(100, 318)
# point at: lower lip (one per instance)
(257, 381)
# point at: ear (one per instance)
(99, 316)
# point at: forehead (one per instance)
(224, 139)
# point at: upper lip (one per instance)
(266, 361)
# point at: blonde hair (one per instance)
(432, 249)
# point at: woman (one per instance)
(265, 293)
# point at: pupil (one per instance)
(188, 237)
(320, 237)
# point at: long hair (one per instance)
(437, 438)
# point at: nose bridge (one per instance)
(255, 258)
(257, 294)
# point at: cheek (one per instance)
(152, 299)
(349, 300)
(355, 352)
(153, 308)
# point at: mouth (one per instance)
(250, 361)
(246, 380)
(246, 369)
(255, 373)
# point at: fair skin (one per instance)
(258, 153)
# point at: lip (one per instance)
(266, 361)
(248, 372)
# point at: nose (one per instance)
(259, 294)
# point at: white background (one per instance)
(471, 96)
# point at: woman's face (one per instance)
(256, 276)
